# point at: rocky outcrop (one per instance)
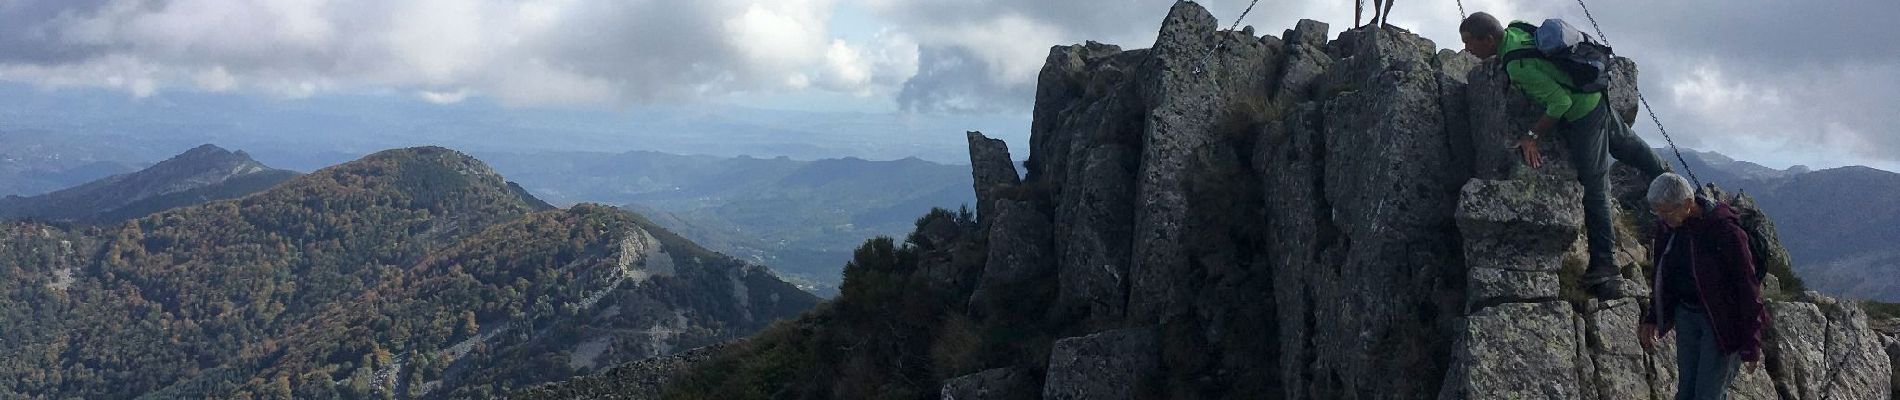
(1519, 351)
(991, 169)
(635, 380)
(1377, 188)
(1084, 128)
(1893, 359)
(1201, 97)
(1824, 349)
(993, 384)
(1110, 365)
(1515, 235)
(1622, 370)
(1019, 238)
(1219, 184)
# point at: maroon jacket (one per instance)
(1724, 276)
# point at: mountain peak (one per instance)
(203, 150)
(461, 163)
(208, 154)
(427, 176)
(198, 175)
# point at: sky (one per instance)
(1777, 82)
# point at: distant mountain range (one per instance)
(1840, 225)
(199, 175)
(34, 162)
(313, 133)
(803, 218)
(410, 273)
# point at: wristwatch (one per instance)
(1531, 134)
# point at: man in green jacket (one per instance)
(1593, 132)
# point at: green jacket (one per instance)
(1542, 80)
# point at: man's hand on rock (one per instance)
(1527, 147)
(1646, 335)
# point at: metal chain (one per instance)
(1645, 101)
(1666, 138)
(1202, 67)
(1461, 10)
(1243, 15)
(1593, 23)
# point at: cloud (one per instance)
(887, 62)
(518, 51)
(1778, 82)
(1711, 92)
(983, 55)
(1803, 81)
(1823, 114)
(444, 97)
(954, 79)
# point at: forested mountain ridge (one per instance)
(801, 217)
(199, 175)
(330, 284)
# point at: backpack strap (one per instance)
(1524, 26)
(1524, 53)
(1520, 54)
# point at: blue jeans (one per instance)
(1593, 139)
(1705, 371)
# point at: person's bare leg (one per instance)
(1358, 9)
(1375, 12)
(1385, 18)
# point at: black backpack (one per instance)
(1762, 240)
(1572, 51)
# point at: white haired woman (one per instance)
(1705, 289)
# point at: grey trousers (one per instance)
(1706, 371)
(1593, 140)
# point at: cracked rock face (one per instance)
(1520, 351)
(993, 384)
(1019, 247)
(991, 169)
(1893, 357)
(1824, 349)
(1105, 365)
(1515, 236)
(1622, 369)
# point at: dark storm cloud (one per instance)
(951, 79)
(27, 30)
